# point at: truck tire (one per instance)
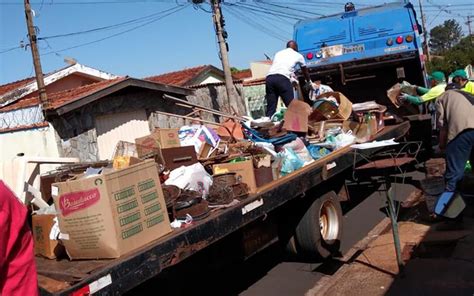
(319, 232)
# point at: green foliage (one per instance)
(459, 56)
(445, 36)
(234, 70)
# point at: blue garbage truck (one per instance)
(364, 52)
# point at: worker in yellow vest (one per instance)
(438, 84)
(460, 78)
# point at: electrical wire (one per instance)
(10, 49)
(252, 23)
(256, 8)
(287, 14)
(433, 19)
(114, 26)
(179, 8)
(446, 10)
(291, 8)
(278, 18)
(91, 2)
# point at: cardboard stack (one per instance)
(110, 214)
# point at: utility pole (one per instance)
(224, 49)
(425, 33)
(36, 58)
(468, 23)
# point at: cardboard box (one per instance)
(179, 156)
(108, 215)
(296, 117)
(121, 162)
(325, 110)
(263, 175)
(244, 169)
(159, 138)
(44, 246)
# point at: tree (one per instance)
(445, 36)
(459, 56)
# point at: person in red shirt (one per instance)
(17, 262)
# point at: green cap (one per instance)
(437, 76)
(459, 73)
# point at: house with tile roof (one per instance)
(23, 128)
(84, 121)
(200, 75)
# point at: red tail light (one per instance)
(309, 55)
(399, 40)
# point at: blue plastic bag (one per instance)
(317, 152)
(291, 162)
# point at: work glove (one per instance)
(408, 98)
(422, 90)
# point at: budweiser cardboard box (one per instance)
(44, 246)
(244, 169)
(107, 215)
(159, 138)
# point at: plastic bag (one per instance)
(299, 148)
(344, 139)
(318, 152)
(193, 177)
(291, 162)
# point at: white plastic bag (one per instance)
(344, 139)
(193, 177)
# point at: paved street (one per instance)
(215, 272)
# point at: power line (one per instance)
(177, 9)
(256, 8)
(242, 17)
(291, 8)
(10, 49)
(446, 10)
(114, 26)
(92, 2)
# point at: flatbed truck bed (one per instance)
(117, 276)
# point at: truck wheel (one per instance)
(319, 232)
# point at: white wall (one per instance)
(31, 142)
(212, 79)
(259, 70)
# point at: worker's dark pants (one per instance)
(277, 85)
(458, 152)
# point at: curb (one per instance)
(325, 283)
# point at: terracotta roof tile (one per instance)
(24, 127)
(257, 81)
(14, 85)
(178, 78)
(247, 73)
(61, 98)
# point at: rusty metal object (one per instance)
(197, 211)
(187, 198)
(240, 191)
(386, 163)
(227, 179)
(435, 167)
(220, 194)
(171, 194)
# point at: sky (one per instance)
(158, 36)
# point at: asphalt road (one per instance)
(217, 270)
